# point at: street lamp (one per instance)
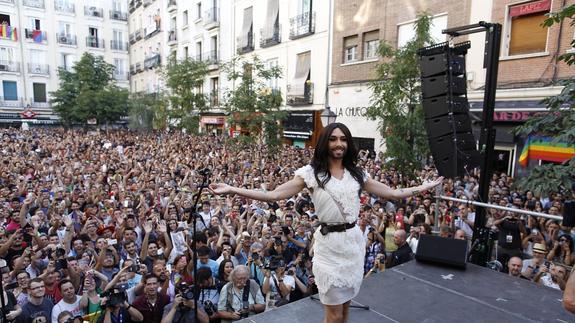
(327, 116)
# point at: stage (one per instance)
(419, 292)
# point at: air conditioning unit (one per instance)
(3, 67)
(63, 39)
(116, 15)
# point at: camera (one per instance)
(60, 252)
(116, 296)
(61, 264)
(187, 291)
(255, 256)
(277, 241)
(274, 263)
(285, 230)
(209, 307)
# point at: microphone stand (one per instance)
(205, 180)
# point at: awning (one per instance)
(302, 69)
(246, 27)
(272, 15)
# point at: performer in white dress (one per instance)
(335, 182)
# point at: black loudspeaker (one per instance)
(446, 109)
(569, 214)
(445, 251)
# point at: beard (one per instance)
(337, 153)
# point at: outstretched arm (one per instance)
(283, 191)
(385, 191)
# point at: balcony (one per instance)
(152, 61)
(41, 69)
(302, 25)
(10, 34)
(212, 59)
(213, 99)
(212, 18)
(138, 68)
(94, 42)
(118, 15)
(151, 30)
(93, 12)
(245, 43)
(38, 4)
(36, 36)
(148, 2)
(7, 1)
(138, 34)
(172, 5)
(121, 76)
(64, 7)
(118, 45)
(270, 36)
(11, 102)
(9, 66)
(295, 95)
(172, 37)
(66, 39)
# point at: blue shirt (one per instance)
(212, 264)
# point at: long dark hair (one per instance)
(319, 161)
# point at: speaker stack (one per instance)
(446, 109)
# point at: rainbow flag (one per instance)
(543, 148)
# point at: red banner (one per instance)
(529, 8)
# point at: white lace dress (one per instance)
(338, 256)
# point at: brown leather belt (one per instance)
(327, 228)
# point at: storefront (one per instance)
(212, 124)
(299, 128)
(507, 116)
(349, 102)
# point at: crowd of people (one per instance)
(98, 226)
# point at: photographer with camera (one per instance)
(181, 310)
(209, 294)
(241, 297)
(256, 262)
(277, 286)
(509, 241)
(117, 308)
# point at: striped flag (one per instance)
(543, 148)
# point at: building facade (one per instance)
(358, 29)
(39, 36)
(293, 35)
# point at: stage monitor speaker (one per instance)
(569, 214)
(445, 251)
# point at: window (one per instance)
(5, 18)
(199, 51)
(35, 24)
(524, 32)
(273, 82)
(10, 90)
(185, 18)
(120, 65)
(39, 90)
(303, 6)
(186, 52)
(65, 28)
(199, 10)
(214, 91)
(371, 43)
(6, 56)
(406, 31)
(350, 49)
(67, 61)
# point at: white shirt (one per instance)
(62, 306)
(464, 226)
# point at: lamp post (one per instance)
(327, 116)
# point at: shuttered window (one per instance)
(527, 36)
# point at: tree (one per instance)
(89, 91)
(148, 111)
(253, 105)
(185, 80)
(396, 103)
(558, 123)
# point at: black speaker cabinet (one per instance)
(439, 85)
(442, 105)
(445, 251)
(447, 124)
(449, 144)
(569, 214)
(450, 166)
(438, 64)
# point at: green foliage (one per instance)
(185, 79)
(396, 103)
(89, 92)
(252, 104)
(558, 122)
(148, 111)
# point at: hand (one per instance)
(178, 300)
(148, 227)
(67, 221)
(428, 185)
(11, 315)
(267, 273)
(236, 315)
(162, 226)
(219, 188)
